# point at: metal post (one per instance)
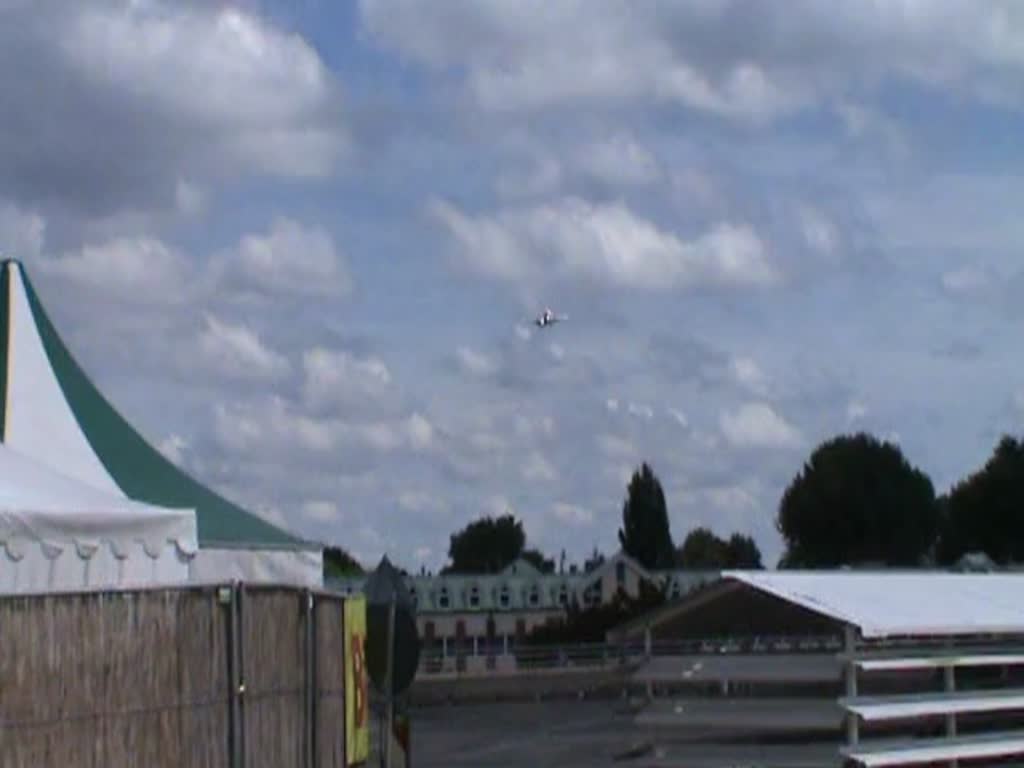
(949, 673)
(852, 735)
(226, 596)
(310, 677)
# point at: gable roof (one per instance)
(915, 603)
(51, 411)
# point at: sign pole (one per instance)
(389, 697)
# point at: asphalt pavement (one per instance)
(583, 734)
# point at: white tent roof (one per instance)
(900, 603)
(41, 507)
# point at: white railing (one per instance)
(947, 703)
(499, 657)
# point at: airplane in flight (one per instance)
(547, 317)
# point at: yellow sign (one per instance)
(357, 705)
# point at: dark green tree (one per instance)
(704, 550)
(486, 545)
(645, 533)
(536, 558)
(742, 552)
(338, 562)
(857, 500)
(984, 512)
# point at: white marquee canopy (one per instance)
(57, 533)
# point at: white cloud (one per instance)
(749, 375)
(572, 514)
(421, 501)
(262, 92)
(732, 498)
(757, 424)
(421, 432)
(819, 233)
(538, 180)
(237, 351)
(533, 428)
(619, 161)
(613, 446)
(290, 258)
(475, 363)
(641, 411)
(612, 404)
(337, 378)
(21, 232)
(679, 417)
(133, 269)
(557, 352)
(537, 467)
(604, 242)
(855, 411)
(422, 554)
(271, 428)
(967, 280)
(173, 448)
(321, 511)
(705, 55)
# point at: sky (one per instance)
(300, 246)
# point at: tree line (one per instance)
(857, 500)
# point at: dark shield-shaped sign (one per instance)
(385, 587)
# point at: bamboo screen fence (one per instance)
(232, 676)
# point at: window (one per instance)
(534, 597)
(474, 596)
(503, 596)
(563, 595)
(592, 595)
(675, 588)
(620, 572)
(442, 599)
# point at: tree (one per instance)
(857, 500)
(645, 534)
(486, 545)
(985, 511)
(742, 552)
(703, 550)
(338, 562)
(537, 559)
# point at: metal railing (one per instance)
(498, 658)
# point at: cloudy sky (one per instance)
(299, 244)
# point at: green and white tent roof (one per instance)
(51, 412)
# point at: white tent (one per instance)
(57, 534)
(51, 412)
